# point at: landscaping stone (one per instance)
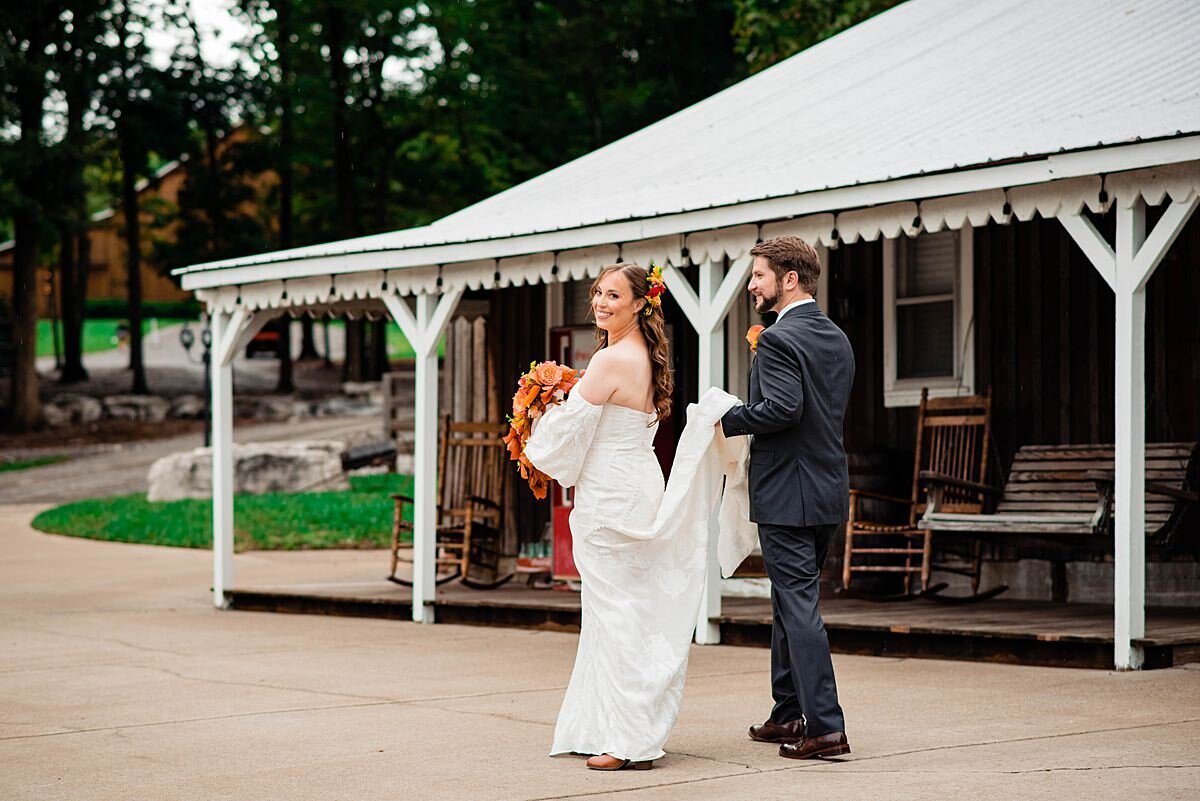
(140, 408)
(273, 408)
(56, 416)
(366, 390)
(301, 410)
(190, 407)
(71, 408)
(258, 468)
(338, 406)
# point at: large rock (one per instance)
(141, 408)
(70, 408)
(191, 407)
(273, 408)
(339, 406)
(369, 391)
(259, 467)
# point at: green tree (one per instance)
(30, 36)
(145, 115)
(82, 50)
(768, 31)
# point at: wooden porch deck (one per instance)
(1015, 632)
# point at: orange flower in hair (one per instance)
(658, 288)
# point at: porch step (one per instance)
(1012, 632)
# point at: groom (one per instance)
(799, 386)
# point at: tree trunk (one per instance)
(286, 382)
(133, 259)
(343, 167)
(73, 242)
(71, 291)
(216, 220)
(308, 340)
(25, 408)
(335, 30)
(379, 357)
(352, 364)
(24, 404)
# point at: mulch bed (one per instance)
(101, 432)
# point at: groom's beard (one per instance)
(766, 303)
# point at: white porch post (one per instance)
(706, 312)
(1129, 496)
(222, 464)
(1127, 269)
(423, 330)
(230, 332)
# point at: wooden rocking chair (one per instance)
(952, 440)
(470, 508)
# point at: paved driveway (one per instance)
(118, 680)
(122, 469)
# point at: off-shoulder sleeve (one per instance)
(561, 438)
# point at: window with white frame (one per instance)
(927, 317)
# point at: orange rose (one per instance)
(753, 334)
(549, 374)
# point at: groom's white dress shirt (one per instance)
(793, 305)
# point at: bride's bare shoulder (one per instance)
(608, 361)
(603, 375)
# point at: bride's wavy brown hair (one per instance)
(654, 332)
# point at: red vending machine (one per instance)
(573, 346)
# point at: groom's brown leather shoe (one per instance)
(824, 745)
(772, 732)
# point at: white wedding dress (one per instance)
(641, 552)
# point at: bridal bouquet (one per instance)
(545, 385)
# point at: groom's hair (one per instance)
(788, 254)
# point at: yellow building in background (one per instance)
(107, 274)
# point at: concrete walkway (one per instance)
(118, 680)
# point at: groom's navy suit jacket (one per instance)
(799, 386)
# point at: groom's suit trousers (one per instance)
(802, 682)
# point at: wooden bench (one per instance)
(1067, 491)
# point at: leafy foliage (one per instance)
(344, 117)
(768, 31)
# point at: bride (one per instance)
(640, 547)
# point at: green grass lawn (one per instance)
(98, 335)
(24, 464)
(358, 518)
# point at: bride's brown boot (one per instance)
(610, 762)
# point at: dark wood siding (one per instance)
(1045, 337)
(879, 440)
(518, 315)
(1044, 327)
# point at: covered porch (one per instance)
(1006, 631)
(697, 190)
(706, 271)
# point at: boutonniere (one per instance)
(752, 336)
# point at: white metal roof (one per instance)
(932, 86)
